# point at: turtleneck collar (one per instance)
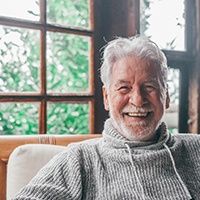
(114, 138)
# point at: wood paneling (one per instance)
(194, 84)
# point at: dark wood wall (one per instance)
(194, 80)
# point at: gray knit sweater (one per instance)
(112, 168)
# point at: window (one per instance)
(171, 116)
(47, 67)
(164, 22)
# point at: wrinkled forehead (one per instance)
(128, 67)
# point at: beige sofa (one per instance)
(22, 156)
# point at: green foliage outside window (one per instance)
(18, 119)
(19, 63)
(68, 13)
(67, 71)
(74, 117)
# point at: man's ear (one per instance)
(105, 98)
(167, 99)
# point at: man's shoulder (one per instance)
(187, 138)
(84, 146)
(88, 142)
(83, 151)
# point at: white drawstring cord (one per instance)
(138, 181)
(176, 172)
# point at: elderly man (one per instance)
(136, 158)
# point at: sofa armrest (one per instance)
(24, 163)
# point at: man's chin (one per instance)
(140, 131)
(136, 135)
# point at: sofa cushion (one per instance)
(24, 163)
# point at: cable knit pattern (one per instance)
(112, 168)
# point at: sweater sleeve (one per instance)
(59, 179)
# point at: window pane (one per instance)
(71, 118)
(164, 22)
(69, 12)
(67, 62)
(171, 116)
(19, 64)
(18, 118)
(23, 9)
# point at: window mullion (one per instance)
(43, 105)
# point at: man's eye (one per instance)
(124, 89)
(149, 88)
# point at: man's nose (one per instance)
(137, 98)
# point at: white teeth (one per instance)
(141, 114)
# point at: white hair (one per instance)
(139, 47)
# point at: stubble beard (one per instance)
(137, 131)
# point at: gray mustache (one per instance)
(138, 109)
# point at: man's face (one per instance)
(136, 98)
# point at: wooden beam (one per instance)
(194, 85)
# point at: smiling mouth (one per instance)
(137, 114)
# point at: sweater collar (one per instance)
(114, 138)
